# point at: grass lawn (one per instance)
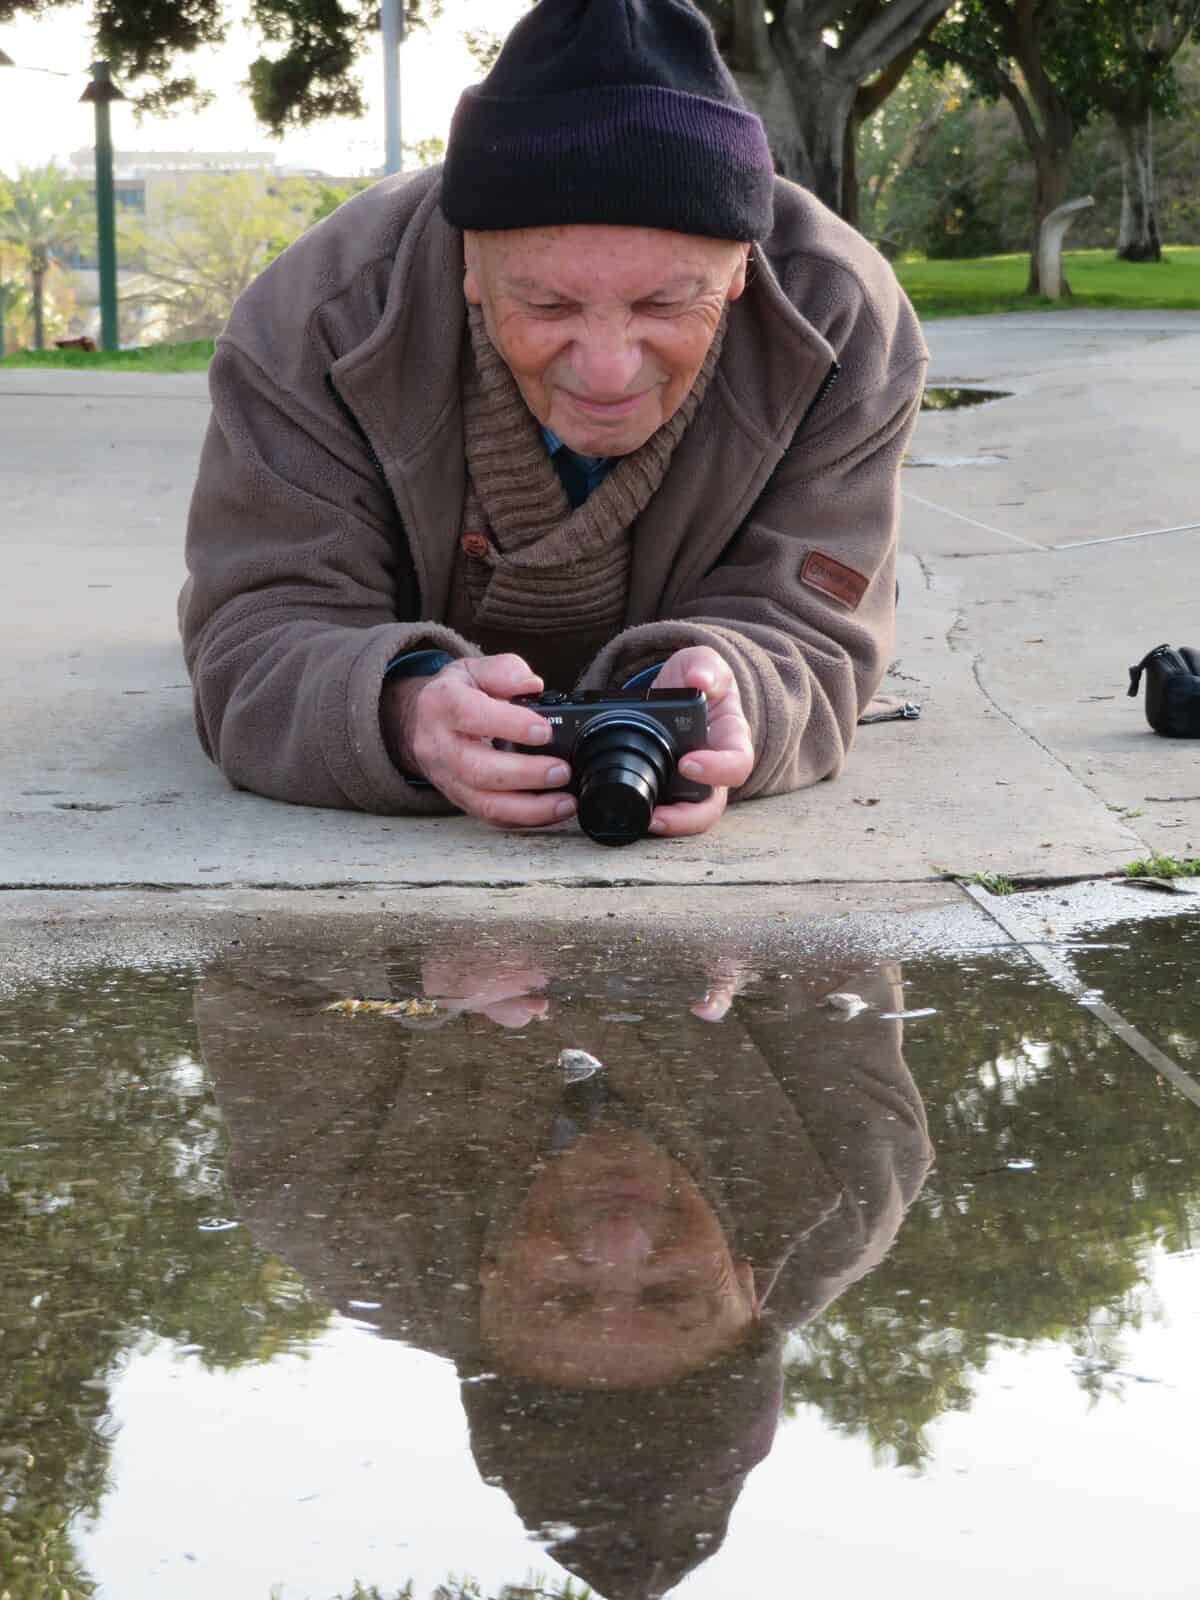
(192, 357)
(1096, 277)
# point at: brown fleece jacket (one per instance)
(326, 516)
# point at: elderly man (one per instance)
(562, 413)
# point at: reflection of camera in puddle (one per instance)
(623, 749)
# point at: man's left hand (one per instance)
(728, 759)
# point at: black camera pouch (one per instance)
(1172, 690)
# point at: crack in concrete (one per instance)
(1135, 838)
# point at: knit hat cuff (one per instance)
(631, 155)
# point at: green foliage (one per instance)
(936, 167)
(193, 357)
(534, 1588)
(1158, 865)
(484, 45)
(15, 309)
(44, 213)
(994, 41)
(307, 73)
(110, 1180)
(1122, 52)
(206, 244)
(993, 882)
(1021, 1234)
(997, 283)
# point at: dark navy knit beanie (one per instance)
(610, 111)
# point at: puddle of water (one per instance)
(598, 1264)
(1152, 965)
(952, 399)
(955, 461)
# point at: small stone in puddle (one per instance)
(576, 1065)
(846, 1005)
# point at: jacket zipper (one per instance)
(357, 426)
(827, 383)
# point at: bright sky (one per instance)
(40, 118)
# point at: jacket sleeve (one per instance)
(807, 661)
(299, 590)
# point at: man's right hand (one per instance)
(438, 729)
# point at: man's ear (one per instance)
(737, 285)
(743, 1272)
(471, 277)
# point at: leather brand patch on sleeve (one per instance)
(834, 578)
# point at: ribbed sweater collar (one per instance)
(514, 476)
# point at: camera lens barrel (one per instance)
(622, 764)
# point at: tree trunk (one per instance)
(850, 171)
(1050, 190)
(38, 276)
(803, 82)
(807, 113)
(824, 124)
(1138, 239)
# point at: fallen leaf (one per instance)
(383, 1008)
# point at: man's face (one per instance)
(604, 329)
(613, 1273)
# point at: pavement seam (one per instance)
(1064, 977)
(1051, 880)
(973, 522)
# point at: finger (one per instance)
(478, 766)
(710, 673)
(516, 810)
(721, 769)
(468, 710)
(716, 1003)
(689, 817)
(516, 1013)
(503, 676)
(475, 991)
(727, 724)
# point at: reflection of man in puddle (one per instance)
(614, 1272)
(613, 1264)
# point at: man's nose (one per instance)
(615, 1245)
(607, 362)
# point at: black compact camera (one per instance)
(623, 749)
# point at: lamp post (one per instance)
(101, 93)
(392, 20)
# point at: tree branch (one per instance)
(896, 26)
(1030, 131)
(872, 95)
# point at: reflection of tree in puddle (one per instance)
(1055, 1247)
(110, 1169)
(441, 1169)
(612, 1264)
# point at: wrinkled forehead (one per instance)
(593, 262)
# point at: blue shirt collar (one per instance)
(554, 444)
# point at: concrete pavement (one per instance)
(1015, 631)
